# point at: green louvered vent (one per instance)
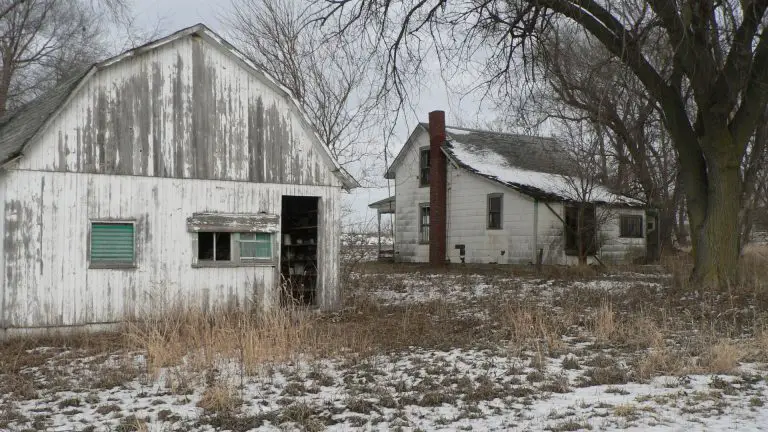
(112, 244)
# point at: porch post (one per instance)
(378, 213)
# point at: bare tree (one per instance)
(330, 76)
(43, 41)
(583, 185)
(720, 60)
(582, 83)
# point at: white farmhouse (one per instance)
(465, 195)
(175, 172)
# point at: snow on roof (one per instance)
(533, 165)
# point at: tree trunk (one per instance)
(666, 227)
(716, 236)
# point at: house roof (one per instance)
(19, 127)
(386, 205)
(533, 165)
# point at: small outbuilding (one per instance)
(474, 196)
(174, 173)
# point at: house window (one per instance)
(255, 246)
(580, 225)
(424, 223)
(424, 167)
(494, 210)
(112, 245)
(224, 249)
(631, 226)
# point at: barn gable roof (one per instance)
(18, 128)
(535, 166)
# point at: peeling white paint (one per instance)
(166, 131)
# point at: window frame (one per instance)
(623, 234)
(422, 232)
(234, 244)
(491, 196)
(114, 265)
(424, 180)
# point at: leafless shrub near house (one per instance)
(584, 184)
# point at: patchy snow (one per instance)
(454, 132)
(490, 163)
(502, 386)
(427, 389)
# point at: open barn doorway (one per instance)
(298, 260)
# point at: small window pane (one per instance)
(494, 211)
(255, 246)
(631, 226)
(223, 246)
(424, 223)
(424, 164)
(212, 246)
(263, 250)
(205, 246)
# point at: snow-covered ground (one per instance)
(496, 384)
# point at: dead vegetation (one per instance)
(656, 326)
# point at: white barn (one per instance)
(465, 195)
(175, 172)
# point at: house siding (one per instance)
(522, 216)
(408, 196)
(615, 249)
(468, 216)
(47, 219)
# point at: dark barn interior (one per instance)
(298, 261)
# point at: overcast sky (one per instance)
(172, 15)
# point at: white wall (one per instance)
(467, 221)
(408, 195)
(47, 218)
(615, 249)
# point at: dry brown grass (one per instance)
(634, 330)
(220, 399)
(661, 360)
(528, 325)
(604, 324)
(203, 338)
(722, 357)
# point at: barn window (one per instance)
(225, 249)
(112, 245)
(494, 210)
(214, 246)
(586, 228)
(424, 167)
(424, 223)
(631, 226)
(255, 246)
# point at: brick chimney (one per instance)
(437, 189)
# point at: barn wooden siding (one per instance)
(185, 110)
(155, 138)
